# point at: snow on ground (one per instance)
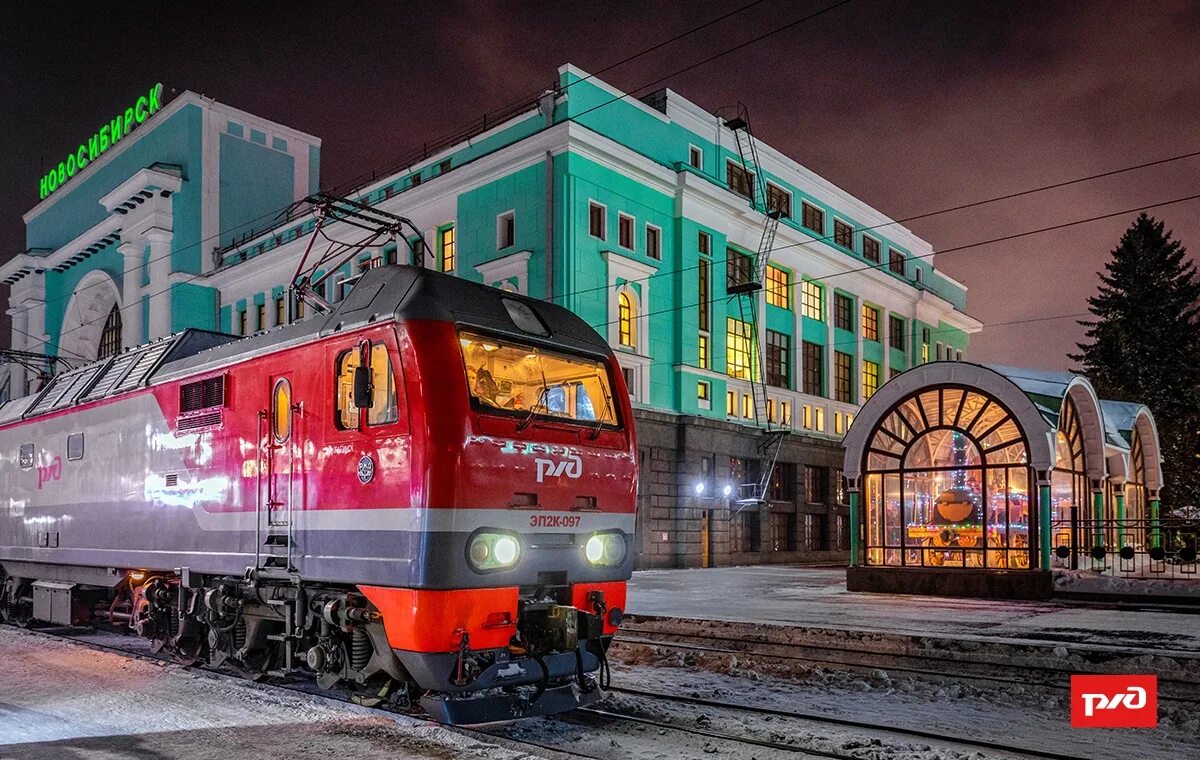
(817, 597)
(62, 700)
(1151, 586)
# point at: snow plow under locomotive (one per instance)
(428, 492)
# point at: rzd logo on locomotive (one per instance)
(571, 466)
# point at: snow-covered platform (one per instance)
(812, 597)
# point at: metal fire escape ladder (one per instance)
(753, 494)
(380, 227)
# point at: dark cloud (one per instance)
(911, 105)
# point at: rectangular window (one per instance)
(506, 230)
(696, 157)
(871, 249)
(747, 407)
(25, 456)
(506, 377)
(783, 482)
(738, 348)
(739, 180)
(806, 416)
(704, 392)
(280, 313)
(785, 412)
(938, 351)
(870, 379)
(843, 369)
(261, 313)
(242, 326)
(816, 533)
(730, 403)
(893, 372)
(814, 368)
(837, 423)
(843, 312)
(779, 360)
(816, 484)
(896, 332)
(703, 307)
(625, 231)
(597, 224)
(814, 218)
(446, 248)
(896, 261)
(779, 200)
(843, 234)
(870, 321)
(384, 407)
(75, 447)
(779, 291)
(704, 357)
(653, 242)
(704, 243)
(739, 268)
(812, 299)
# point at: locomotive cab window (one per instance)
(384, 406)
(528, 381)
(26, 456)
(75, 447)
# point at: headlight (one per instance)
(493, 551)
(606, 549)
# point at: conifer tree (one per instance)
(1144, 346)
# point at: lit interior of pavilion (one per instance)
(1005, 471)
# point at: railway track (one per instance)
(933, 666)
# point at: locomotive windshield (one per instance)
(512, 377)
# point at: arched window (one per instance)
(947, 483)
(1069, 482)
(110, 337)
(626, 330)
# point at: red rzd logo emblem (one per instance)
(1114, 701)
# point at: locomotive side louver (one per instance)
(197, 421)
(200, 403)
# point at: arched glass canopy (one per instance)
(946, 482)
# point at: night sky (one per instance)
(911, 106)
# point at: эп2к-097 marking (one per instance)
(431, 489)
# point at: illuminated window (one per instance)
(731, 403)
(819, 419)
(747, 407)
(281, 411)
(896, 332)
(626, 335)
(704, 357)
(896, 261)
(779, 200)
(843, 312)
(837, 423)
(739, 179)
(870, 379)
(843, 234)
(771, 410)
(924, 352)
(806, 416)
(871, 249)
(779, 291)
(738, 348)
(625, 231)
(384, 408)
(870, 322)
(843, 370)
(812, 300)
(597, 221)
(785, 412)
(704, 392)
(446, 248)
(813, 218)
(110, 336)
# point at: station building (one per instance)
(980, 480)
(637, 214)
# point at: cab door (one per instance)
(280, 484)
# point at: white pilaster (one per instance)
(160, 282)
(131, 293)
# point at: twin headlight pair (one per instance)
(493, 550)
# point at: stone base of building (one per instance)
(963, 582)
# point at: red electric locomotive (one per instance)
(428, 492)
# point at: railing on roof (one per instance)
(431, 148)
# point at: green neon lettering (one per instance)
(62, 172)
(139, 110)
(71, 166)
(81, 157)
(128, 120)
(102, 136)
(52, 180)
(43, 189)
(156, 97)
(93, 147)
(114, 130)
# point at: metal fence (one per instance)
(1142, 548)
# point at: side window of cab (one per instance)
(385, 406)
